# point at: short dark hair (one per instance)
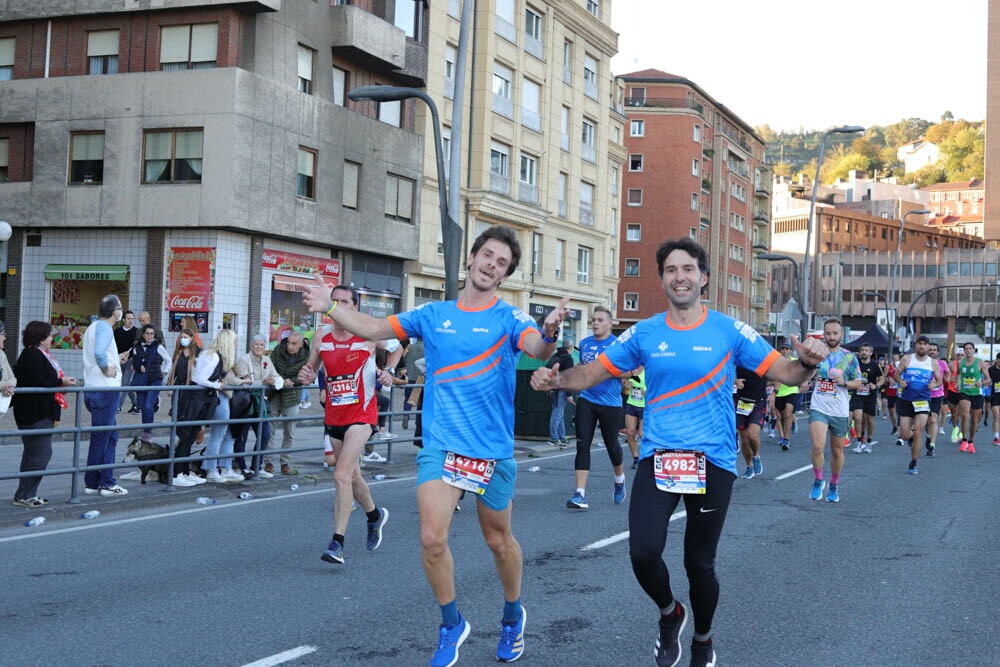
(505, 235)
(603, 309)
(35, 332)
(690, 246)
(355, 299)
(967, 344)
(128, 312)
(922, 339)
(108, 305)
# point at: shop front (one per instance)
(75, 290)
(290, 274)
(190, 287)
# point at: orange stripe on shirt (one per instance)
(705, 378)
(397, 327)
(520, 339)
(608, 366)
(474, 360)
(694, 398)
(472, 375)
(769, 360)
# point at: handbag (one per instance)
(240, 403)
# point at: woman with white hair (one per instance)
(259, 368)
(214, 370)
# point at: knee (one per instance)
(433, 542)
(342, 476)
(499, 541)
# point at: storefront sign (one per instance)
(377, 305)
(540, 311)
(190, 279)
(290, 262)
(86, 272)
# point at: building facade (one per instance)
(694, 169)
(201, 158)
(958, 206)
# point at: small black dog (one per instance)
(148, 451)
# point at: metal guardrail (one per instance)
(78, 430)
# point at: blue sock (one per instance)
(512, 611)
(449, 614)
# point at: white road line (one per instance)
(792, 473)
(284, 656)
(608, 541)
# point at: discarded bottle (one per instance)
(205, 501)
(91, 514)
(534, 469)
(295, 487)
(37, 521)
(245, 496)
(379, 477)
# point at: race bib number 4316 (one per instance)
(679, 471)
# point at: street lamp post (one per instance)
(811, 222)
(899, 260)
(879, 295)
(776, 257)
(451, 233)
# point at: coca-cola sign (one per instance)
(281, 260)
(190, 279)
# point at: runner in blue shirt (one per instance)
(688, 448)
(472, 346)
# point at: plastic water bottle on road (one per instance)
(245, 496)
(295, 487)
(205, 501)
(91, 514)
(37, 521)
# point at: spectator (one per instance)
(34, 368)
(125, 337)
(150, 361)
(414, 353)
(261, 370)
(187, 322)
(557, 421)
(218, 361)
(182, 373)
(289, 357)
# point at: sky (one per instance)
(815, 65)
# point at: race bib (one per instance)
(824, 386)
(342, 390)
(968, 383)
(996, 386)
(467, 473)
(636, 394)
(921, 406)
(864, 390)
(744, 407)
(679, 471)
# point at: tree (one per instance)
(905, 131)
(926, 175)
(963, 153)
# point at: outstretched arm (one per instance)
(796, 372)
(317, 299)
(533, 343)
(577, 378)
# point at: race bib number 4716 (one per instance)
(679, 471)
(467, 473)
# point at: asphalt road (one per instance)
(900, 572)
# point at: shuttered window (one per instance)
(352, 171)
(398, 198)
(306, 173)
(305, 69)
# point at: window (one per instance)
(4, 159)
(695, 167)
(446, 149)
(635, 162)
(531, 94)
(536, 253)
(739, 223)
(697, 133)
(614, 223)
(583, 264)
(612, 264)
(533, 34)
(560, 257)
(527, 189)
(450, 56)
(614, 181)
(305, 173)
(586, 204)
(172, 156)
(188, 46)
(589, 151)
(633, 232)
(306, 57)
(694, 201)
(339, 86)
(505, 20)
(594, 7)
(568, 62)
(637, 96)
(590, 76)
(499, 168)
(632, 266)
(736, 283)
(102, 52)
(631, 301)
(398, 198)
(738, 190)
(564, 128)
(391, 113)
(635, 196)
(563, 185)
(6, 59)
(406, 17)
(86, 157)
(352, 173)
(737, 252)
(502, 77)
(637, 128)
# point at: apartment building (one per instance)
(541, 150)
(958, 206)
(694, 168)
(201, 158)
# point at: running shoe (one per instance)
(667, 650)
(577, 502)
(930, 447)
(964, 447)
(833, 496)
(758, 465)
(893, 431)
(619, 494)
(375, 529)
(702, 654)
(868, 447)
(449, 639)
(748, 473)
(817, 489)
(860, 447)
(334, 553)
(784, 444)
(772, 433)
(972, 447)
(913, 468)
(557, 443)
(899, 442)
(955, 434)
(511, 644)
(996, 440)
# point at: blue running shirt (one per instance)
(918, 376)
(608, 392)
(689, 380)
(471, 374)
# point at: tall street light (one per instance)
(811, 222)
(879, 295)
(899, 260)
(451, 233)
(776, 257)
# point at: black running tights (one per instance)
(587, 416)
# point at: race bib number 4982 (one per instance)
(679, 471)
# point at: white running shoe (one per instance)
(859, 448)
(111, 491)
(182, 480)
(215, 478)
(196, 479)
(230, 476)
(264, 474)
(374, 457)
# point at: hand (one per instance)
(811, 351)
(8, 389)
(740, 383)
(269, 381)
(123, 357)
(550, 327)
(545, 379)
(317, 296)
(307, 374)
(69, 382)
(110, 371)
(142, 369)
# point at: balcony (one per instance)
(760, 191)
(589, 153)
(706, 184)
(586, 215)
(664, 103)
(760, 219)
(367, 39)
(759, 274)
(757, 301)
(527, 192)
(531, 120)
(534, 46)
(499, 183)
(503, 105)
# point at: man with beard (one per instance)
(918, 375)
(829, 411)
(864, 401)
(937, 398)
(970, 372)
(688, 449)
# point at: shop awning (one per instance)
(86, 271)
(292, 283)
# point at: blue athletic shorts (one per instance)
(499, 492)
(837, 425)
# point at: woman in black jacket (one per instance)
(36, 367)
(150, 364)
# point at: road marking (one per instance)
(608, 541)
(792, 473)
(284, 656)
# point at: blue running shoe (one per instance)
(619, 493)
(375, 529)
(913, 468)
(784, 444)
(817, 490)
(334, 553)
(577, 502)
(758, 466)
(748, 473)
(449, 639)
(832, 496)
(511, 645)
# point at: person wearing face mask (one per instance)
(101, 372)
(182, 373)
(150, 362)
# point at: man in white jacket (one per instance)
(100, 372)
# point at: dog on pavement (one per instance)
(139, 450)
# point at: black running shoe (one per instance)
(702, 654)
(667, 650)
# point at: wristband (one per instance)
(806, 366)
(333, 307)
(546, 339)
